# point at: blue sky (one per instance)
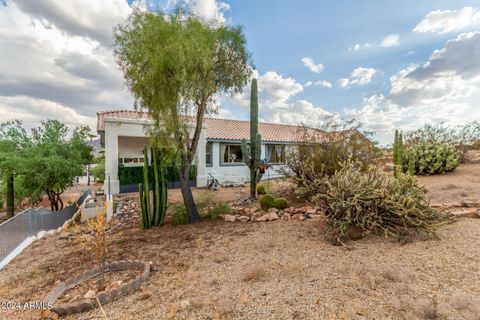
(390, 64)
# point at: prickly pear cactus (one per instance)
(433, 157)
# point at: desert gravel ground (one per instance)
(272, 270)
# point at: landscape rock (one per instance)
(274, 210)
(286, 216)
(272, 215)
(251, 210)
(310, 210)
(262, 218)
(469, 203)
(472, 156)
(229, 218)
(243, 219)
(90, 294)
(466, 212)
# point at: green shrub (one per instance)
(218, 209)
(261, 189)
(431, 157)
(179, 214)
(266, 201)
(280, 203)
(372, 202)
(99, 172)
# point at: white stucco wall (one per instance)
(237, 173)
(126, 138)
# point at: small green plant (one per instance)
(280, 203)
(266, 201)
(218, 209)
(179, 214)
(261, 190)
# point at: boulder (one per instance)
(229, 218)
(286, 216)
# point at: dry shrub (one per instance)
(254, 275)
(374, 203)
(98, 244)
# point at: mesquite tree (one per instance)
(13, 139)
(174, 66)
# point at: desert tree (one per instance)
(13, 141)
(175, 65)
(55, 158)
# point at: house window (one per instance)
(232, 153)
(208, 154)
(275, 153)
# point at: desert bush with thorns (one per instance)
(373, 202)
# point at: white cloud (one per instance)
(276, 99)
(343, 82)
(443, 21)
(57, 60)
(392, 40)
(210, 10)
(443, 89)
(359, 46)
(359, 76)
(320, 83)
(308, 62)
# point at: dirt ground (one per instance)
(274, 270)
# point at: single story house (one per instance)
(219, 152)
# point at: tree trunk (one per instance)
(192, 211)
(53, 200)
(10, 196)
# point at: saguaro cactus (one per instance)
(252, 152)
(152, 216)
(398, 154)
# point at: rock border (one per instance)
(104, 296)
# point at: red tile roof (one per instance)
(225, 129)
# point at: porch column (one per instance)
(111, 185)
